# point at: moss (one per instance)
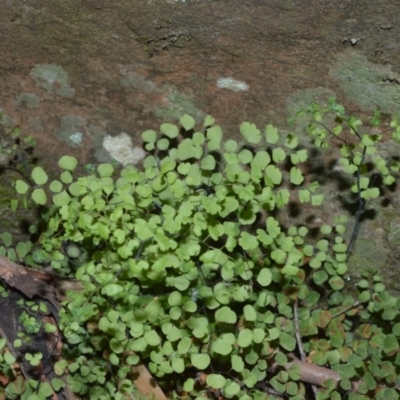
(369, 85)
(178, 104)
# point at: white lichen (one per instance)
(232, 84)
(76, 138)
(121, 149)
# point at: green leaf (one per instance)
(264, 277)
(282, 198)
(304, 195)
(288, 342)
(22, 249)
(149, 146)
(152, 310)
(245, 156)
(115, 346)
(214, 137)
(49, 328)
(208, 121)
(174, 299)
(45, 390)
(13, 205)
(149, 136)
(21, 187)
(56, 186)
(271, 134)
(346, 371)
(230, 145)
(9, 358)
(66, 177)
(321, 318)
(260, 160)
(168, 164)
(187, 122)
(169, 130)
(277, 385)
(237, 363)
(281, 359)
(369, 381)
(60, 366)
(184, 345)
(200, 361)
(67, 162)
(163, 144)
(336, 283)
(278, 154)
(245, 338)
(291, 141)
(248, 241)
(6, 238)
(296, 176)
(190, 306)
(320, 277)
(39, 176)
(326, 229)
(133, 359)
(370, 193)
(105, 170)
(39, 196)
(390, 344)
(188, 386)
(225, 315)
(272, 176)
(152, 338)
(231, 389)
(216, 381)
(61, 199)
(249, 311)
(57, 384)
(258, 335)
(112, 289)
(222, 347)
(198, 138)
(113, 358)
(178, 365)
(186, 150)
(251, 133)
(208, 163)
(295, 372)
(273, 227)
(299, 156)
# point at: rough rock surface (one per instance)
(73, 72)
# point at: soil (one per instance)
(72, 72)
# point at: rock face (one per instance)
(72, 73)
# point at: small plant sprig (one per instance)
(360, 157)
(10, 146)
(187, 268)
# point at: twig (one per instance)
(299, 341)
(356, 304)
(297, 326)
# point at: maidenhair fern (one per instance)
(187, 268)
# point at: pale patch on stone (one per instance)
(52, 78)
(76, 138)
(121, 149)
(232, 84)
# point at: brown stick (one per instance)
(146, 384)
(28, 281)
(313, 374)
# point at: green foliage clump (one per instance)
(187, 268)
